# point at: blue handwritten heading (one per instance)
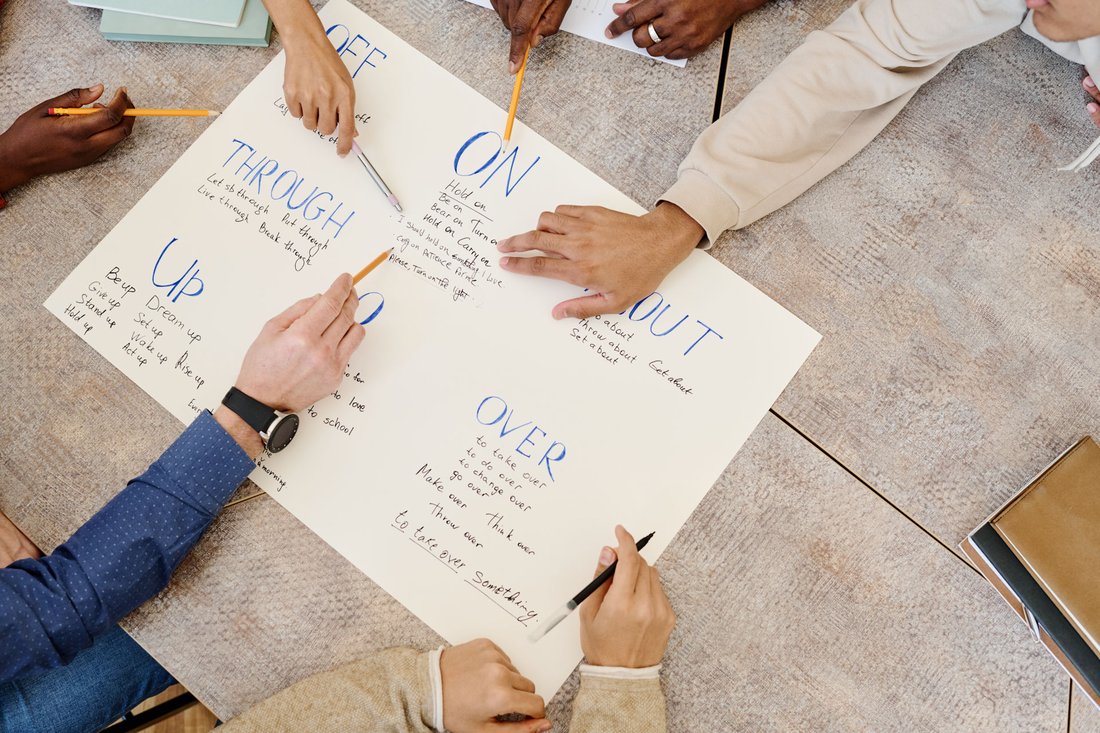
(190, 287)
(494, 410)
(347, 46)
(259, 172)
(481, 150)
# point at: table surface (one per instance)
(818, 585)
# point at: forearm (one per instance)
(295, 20)
(53, 607)
(389, 691)
(607, 703)
(825, 102)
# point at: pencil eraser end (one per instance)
(49, 111)
(394, 202)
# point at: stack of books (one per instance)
(1041, 551)
(222, 22)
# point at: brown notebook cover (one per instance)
(1053, 527)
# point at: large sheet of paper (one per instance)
(478, 453)
(588, 19)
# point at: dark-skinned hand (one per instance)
(37, 144)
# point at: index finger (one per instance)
(641, 12)
(524, 21)
(346, 118)
(327, 308)
(630, 564)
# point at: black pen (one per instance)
(544, 628)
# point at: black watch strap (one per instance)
(258, 415)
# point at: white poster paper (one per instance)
(478, 453)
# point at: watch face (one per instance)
(282, 432)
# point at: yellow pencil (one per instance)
(515, 98)
(373, 264)
(136, 112)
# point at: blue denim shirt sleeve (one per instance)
(51, 608)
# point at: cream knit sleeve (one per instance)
(825, 102)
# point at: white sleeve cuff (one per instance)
(436, 678)
(621, 673)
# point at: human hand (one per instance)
(37, 143)
(479, 684)
(317, 86)
(685, 27)
(300, 355)
(619, 257)
(626, 622)
(529, 21)
(1093, 107)
(14, 545)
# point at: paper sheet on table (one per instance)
(588, 19)
(478, 453)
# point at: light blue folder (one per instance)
(254, 30)
(213, 12)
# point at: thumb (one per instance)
(584, 307)
(592, 604)
(77, 97)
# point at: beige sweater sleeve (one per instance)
(825, 102)
(608, 705)
(389, 691)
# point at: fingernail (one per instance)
(1092, 107)
(537, 41)
(95, 88)
(545, 728)
(505, 261)
(503, 242)
(607, 32)
(1089, 82)
(513, 67)
(607, 556)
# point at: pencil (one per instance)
(515, 98)
(373, 264)
(558, 616)
(375, 176)
(136, 112)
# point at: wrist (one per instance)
(300, 27)
(11, 172)
(680, 233)
(245, 436)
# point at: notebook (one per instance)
(211, 12)
(1040, 551)
(254, 30)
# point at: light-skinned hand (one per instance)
(626, 622)
(317, 86)
(300, 355)
(620, 258)
(479, 684)
(685, 27)
(37, 143)
(528, 22)
(14, 545)
(1093, 107)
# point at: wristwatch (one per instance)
(276, 428)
